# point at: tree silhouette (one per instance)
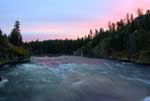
(15, 36)
(101, 30)
(128, 18)
(96, 31)
(148, 11)
(139, 12)
(1, 33)
(131, 17)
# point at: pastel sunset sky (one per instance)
(60, 19)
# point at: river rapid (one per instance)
(72, 78)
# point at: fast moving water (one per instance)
(69, 78)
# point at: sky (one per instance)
(61, 19)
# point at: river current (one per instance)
(71, 78)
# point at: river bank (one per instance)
(140, 62)
(12, 62)
(137, 59)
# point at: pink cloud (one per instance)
(122, 7)
(41, 28)
(118, 10)
(72, 30)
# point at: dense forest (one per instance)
(54, 46)
(127, 39)
(11, 46)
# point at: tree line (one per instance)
(126, 39)
(53, 46)
(11, 46)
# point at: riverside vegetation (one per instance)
(11, 50)
(127, 39)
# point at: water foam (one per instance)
(147, 98)
(2, 83)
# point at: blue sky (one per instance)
(61, 18)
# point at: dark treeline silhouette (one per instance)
(15, 36)
(54, 46)
(11, 46)
(127, 39)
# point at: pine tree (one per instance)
(128, 18)
(15, 36)
(96, 32)
(1, 33)
(139, 12)
(131, 17)
(1, 36)
(101, 30)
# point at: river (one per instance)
(72, 78)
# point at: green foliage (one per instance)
(144, 57)
(104, 46)
(15, 36)
(8, 51)
(126, 39)
(54, 46)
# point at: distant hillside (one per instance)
(127, 39)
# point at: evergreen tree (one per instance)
(15, 36)
(110, 26)
(96, 32)
(139, 12)
(101, 30)
(91, 33)
(148, 12)
(113, 27)
(128, 18)
(1, 35)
